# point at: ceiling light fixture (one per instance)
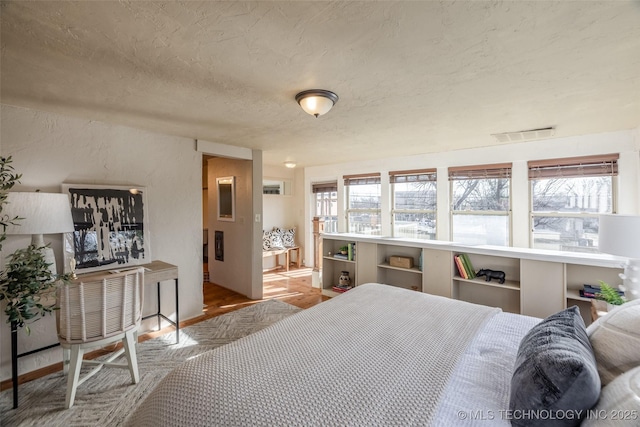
(290, 164)
(316, 101)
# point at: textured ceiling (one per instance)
(413, 77)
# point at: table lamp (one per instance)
(620, 235)
(42, 213)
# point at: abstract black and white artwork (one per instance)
(111, 227)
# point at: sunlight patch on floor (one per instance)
(279, 296)
(241, 304)
(273, 288)
(170, 340)
(296, 273)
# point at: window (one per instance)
(326, 196)
(567, 195)
(481, 206)
(413, 211)
(363, 203)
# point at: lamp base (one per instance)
(49, 257)
(631, 279)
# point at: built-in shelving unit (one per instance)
(537, 282)
(332, 266)
(405, 277)
(493, 293)
(579, 275)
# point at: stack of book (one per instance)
(350, 255)
(592, 291)
(464, 266)
(341, 288)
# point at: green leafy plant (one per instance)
(28, 286)
(609, 294)
(8, 178)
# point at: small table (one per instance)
(598, 309)
(156, 272)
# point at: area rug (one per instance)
(109, 397)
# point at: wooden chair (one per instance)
(96, 310)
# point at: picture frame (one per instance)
(226, 198)
(111, 227)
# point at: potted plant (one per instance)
(26, 284)
(343, 250)
(610, 295)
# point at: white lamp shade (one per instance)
(43, 213)
(316, 105)
(619, 235)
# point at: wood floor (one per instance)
(292, 287)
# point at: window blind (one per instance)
(574, 167)
(324, 187)
(499, 170)
(419, 175)
(362, 179)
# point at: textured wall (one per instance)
(50, 149)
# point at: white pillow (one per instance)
(615, 339)
(275, 240)
(266, 242)
(619, 404)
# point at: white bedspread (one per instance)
(478, 392)
(370, 357)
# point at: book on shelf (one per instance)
(341, 256)
(341, 288)
(461, 270)
(468, 266)
(465, 268)
(587, 294)
(592, 291)
(351, 251)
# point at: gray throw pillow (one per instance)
(555, 378)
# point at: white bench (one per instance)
(287, 259)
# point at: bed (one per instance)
(374, 356)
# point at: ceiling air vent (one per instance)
(525, 135)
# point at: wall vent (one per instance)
(525, 135)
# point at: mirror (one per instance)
(226, 198)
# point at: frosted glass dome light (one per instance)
(316, 101)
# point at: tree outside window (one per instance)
(414, 203)
(363, 203)
(567, 196)
(481, 204)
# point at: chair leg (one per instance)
(129, 343)
(74, 373)
(66, 357)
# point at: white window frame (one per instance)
(330, 190)
(362, 179)
(494, 171)
(411, 176)
(572, 167)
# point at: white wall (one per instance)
(284, 210)
(627, 143)
(50, 149)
